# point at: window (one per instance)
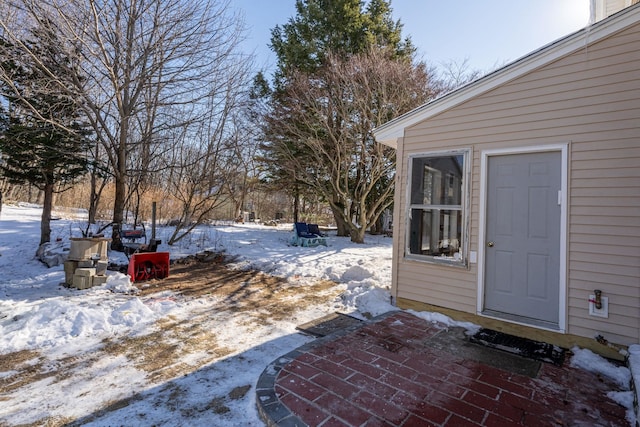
(436, 210)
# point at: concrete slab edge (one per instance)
(272, 411)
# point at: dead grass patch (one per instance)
(263, 299)
(161, 352)
(25, 367)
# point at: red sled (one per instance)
(148, 265)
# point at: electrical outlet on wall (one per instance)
(603, 311)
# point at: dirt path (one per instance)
(257, 298)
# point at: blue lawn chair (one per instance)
(303, 237)
(314, 229)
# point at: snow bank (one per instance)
(588, 360)
(64, 319)
(634, 366)
(38, 312)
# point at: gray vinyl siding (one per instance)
(589, 100)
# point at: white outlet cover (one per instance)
(603, 312)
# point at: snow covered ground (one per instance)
(94, 332)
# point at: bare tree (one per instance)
(208, 154)
(454, 74)
(141, 61)
(198, 174)
(245, 178)
(332, 114)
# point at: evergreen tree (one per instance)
(317, 134)
(44, 142)
(344, 27)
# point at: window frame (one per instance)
(465, 197)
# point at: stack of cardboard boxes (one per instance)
(86, 265)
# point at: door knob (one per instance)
(490, 244)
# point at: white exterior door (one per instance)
(522, 259)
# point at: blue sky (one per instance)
(486, 33)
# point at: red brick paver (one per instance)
(387, 374)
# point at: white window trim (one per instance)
(484, 161)
(467, 154)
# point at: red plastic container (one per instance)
(148, 265)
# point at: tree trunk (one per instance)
(119, 202)
(120, 181)
(45, 222)
(238, 209)
(296, 205)
(93, 198)
(118, 214)
(341, 222)
(136, 209)
(357, 234)
(377, 226)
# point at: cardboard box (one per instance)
(86, 272)
(82, 282)
(99, 280)
(101, 268)
(88, 248)
(69, 271)
(85, 264)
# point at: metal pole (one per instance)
(153, 220)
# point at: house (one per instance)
(517, 201)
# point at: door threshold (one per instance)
(522, 320)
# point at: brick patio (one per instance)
(395, 372)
